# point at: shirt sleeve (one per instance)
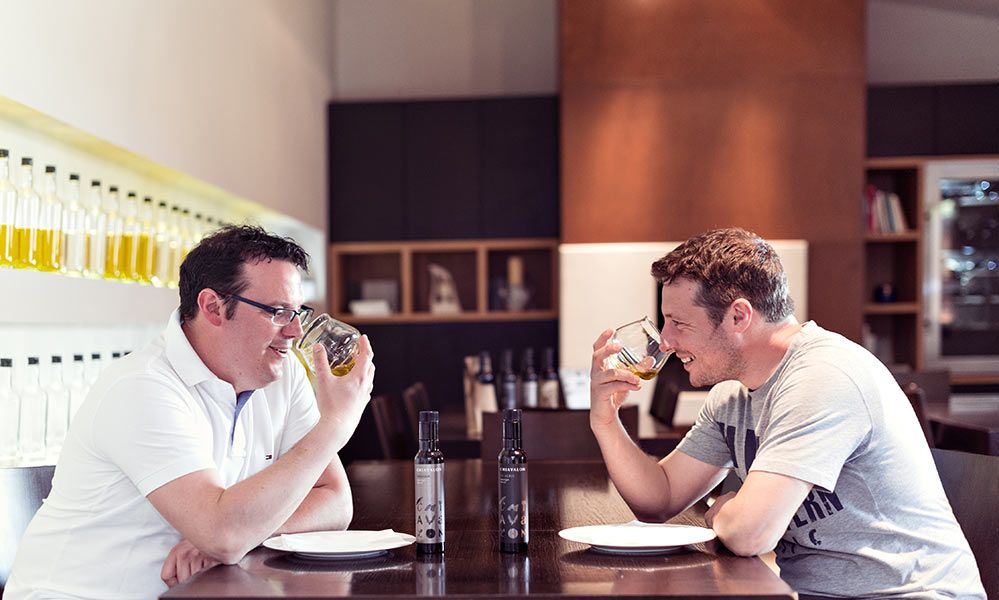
(704, 441)
(303, 414)
(150, 430)
(818, 420)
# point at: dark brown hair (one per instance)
(729, 264)
(217, 263)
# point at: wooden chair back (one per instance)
(394, 436)
(935, 384)
(552, 434)
(22, 490)
(917, 400)
(415, 399)
(971, 482)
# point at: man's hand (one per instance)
(709, 517)
(183, 562)
(345, 397)
(608, 387)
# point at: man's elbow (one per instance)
(747, 545)
(227, 548)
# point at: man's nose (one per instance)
(664, 344)
(293, 329)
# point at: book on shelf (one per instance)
(883, 211)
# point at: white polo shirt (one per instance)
(151, 417)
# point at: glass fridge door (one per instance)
(962, 290)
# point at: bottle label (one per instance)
(549, 394)
(509, 399)
(529, 394)
(430, 504)
(513, 526)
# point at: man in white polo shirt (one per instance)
(195, 449)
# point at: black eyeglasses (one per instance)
(279, 316)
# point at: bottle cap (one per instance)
(74, 177)
(162, 204)
(6, 362)
(32, 360)
(113, 189)
(95, 356)
(132, 195)
(511, 423)
(116, 355)
(429, 420)
(95, 183)
(148, 199)
(57, 360)
(77, 358)
(3, 153)
(26, 161)
(50, 168)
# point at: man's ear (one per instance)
(740, 315)
(211, 306)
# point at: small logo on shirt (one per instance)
(268, 456)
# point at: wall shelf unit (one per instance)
(893, 329)
(398, 273)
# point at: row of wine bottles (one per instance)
(524, 389)
(37, 402)
(102, 236)
(512, 493)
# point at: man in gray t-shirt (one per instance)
(836, 473)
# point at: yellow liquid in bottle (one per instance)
(6, 245)
(143, 259)
(111, 257)
(343, 368)
(47, 250)
(24, 248)
(126, 257)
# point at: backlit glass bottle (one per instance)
(96, 236)
(8, 205)
(49, 232)
(26, 220)
(130, 231)
(10, 408)
(31, 430)
(57, 408)
(74, 230)
(113, 233)
(145, 252)
(161, 247)
(76, 380)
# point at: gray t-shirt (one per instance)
(877, 522)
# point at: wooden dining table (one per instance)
(562, 495)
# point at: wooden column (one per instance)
(680, 116)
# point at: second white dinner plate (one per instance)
(637, 537)
(339, 545)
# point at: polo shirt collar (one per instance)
(185, 361)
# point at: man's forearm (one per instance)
(323, 509)
(638, 478)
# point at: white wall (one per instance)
(445, 48)
(233, 92)
(928, 41)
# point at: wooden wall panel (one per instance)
(682, 116)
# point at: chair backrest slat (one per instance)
(22, 490)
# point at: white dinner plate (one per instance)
(340, 545)
(638, 538)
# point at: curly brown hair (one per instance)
(217, 263)
(728, 264)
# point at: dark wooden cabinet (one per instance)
(519, 153)
(932, 120)
(444, 169)
(366, 172)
